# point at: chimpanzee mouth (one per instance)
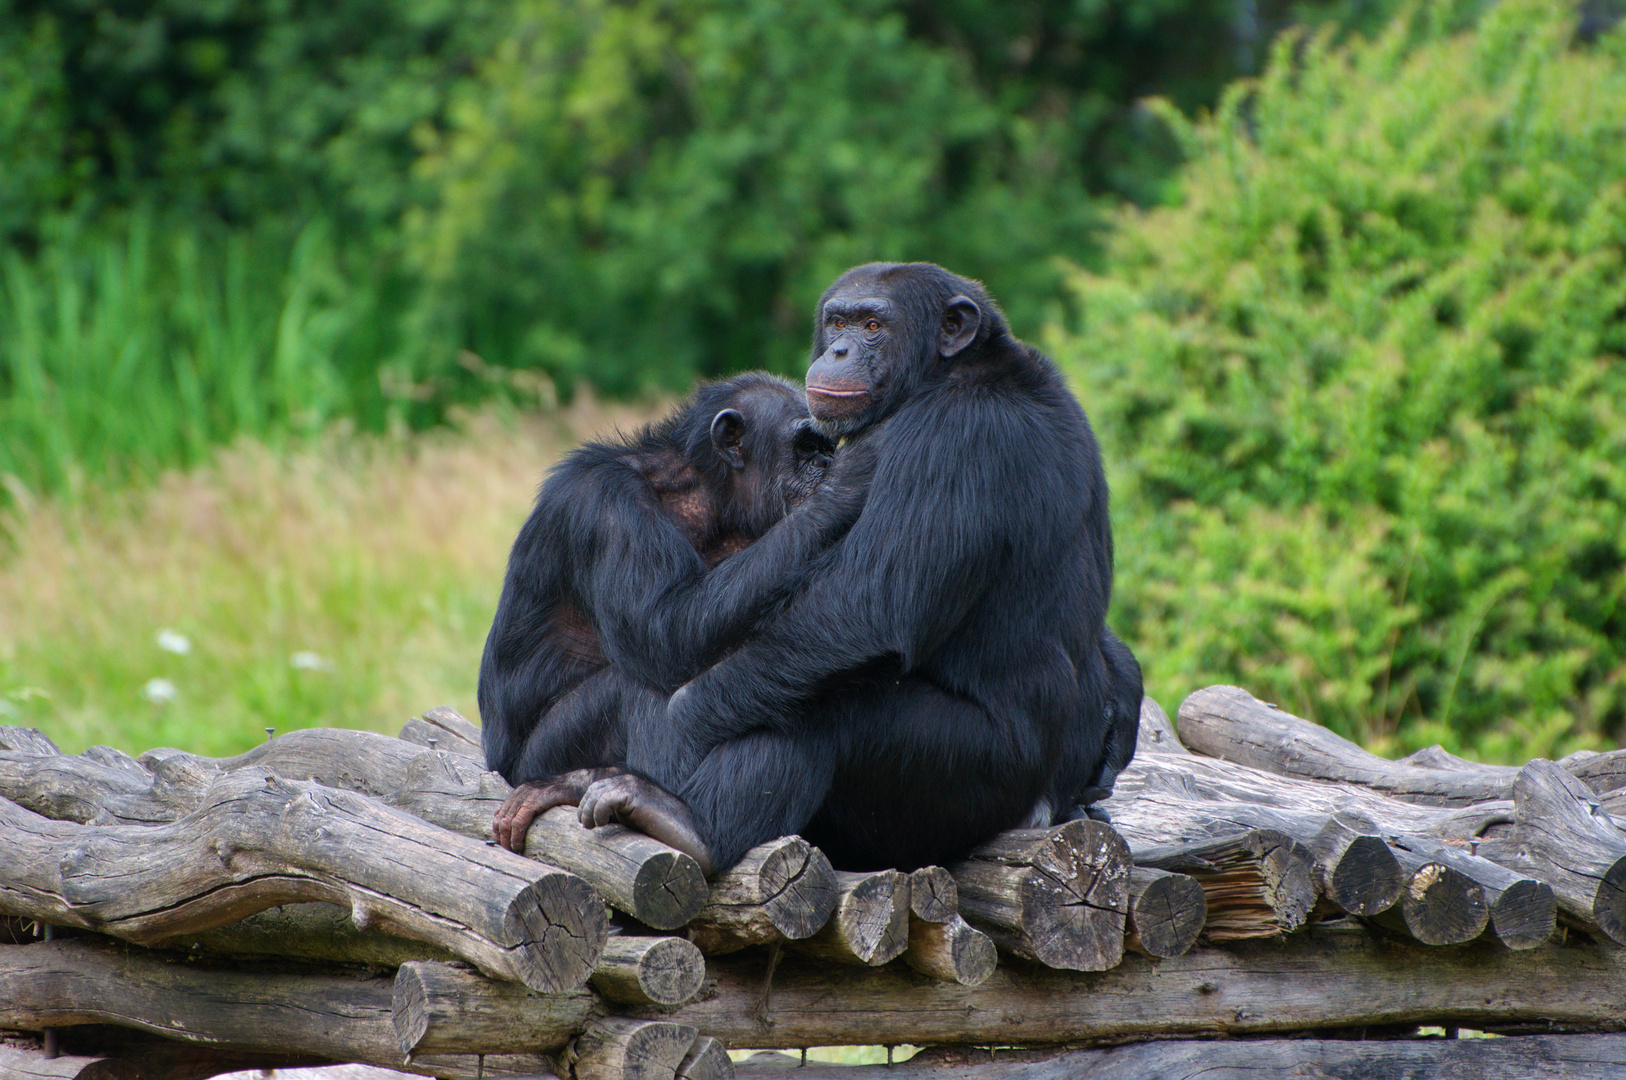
(830, 391)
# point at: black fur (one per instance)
(608, 604)
(941, 672)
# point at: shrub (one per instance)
(1363, 390)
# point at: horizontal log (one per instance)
(437, 1008)
(1166, 912)
(1561, 837)
(783, 890)
(953, 951)
(659, 886)
(1228, 722)
(1260, 883)
(870, 923)
(315, 932)
(617, 1048)
(1574, 1057)
(444, 728)
(1318, 978)
(101, 784)
(1438, 906)
(26, 740)
(1523, 911)
(258, 841)
(649, 970)
(1058, 896)
(324, 1015)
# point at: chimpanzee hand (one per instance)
(629, 799)
(530, 800)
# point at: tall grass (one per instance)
(348, 581)
(143, 344)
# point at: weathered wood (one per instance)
(1359, 874)
(101, 784)
(1059, 896)
(1228, 722)
(781, 890)
(649, 970)
(1260, 883)
(1439, 906)
(448, 730)
(953, 951)
(1523, 911)
(1318, 978)
(1560, 836)
(933, 895)
(657, 885)
(616, 1048)
(319, 932)
(1166, 912)
(870, 923)
(363, 761)
(1574, 1057)
(26, 740)
(258, 841)
(328, 1016)
(706, 1060)
(438, 1008)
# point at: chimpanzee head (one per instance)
(883, 331)
(762, 454)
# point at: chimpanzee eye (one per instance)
(841, 324)
(872, 326)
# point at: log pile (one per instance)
(332, 896)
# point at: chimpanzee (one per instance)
(943, 671)
(608, 604)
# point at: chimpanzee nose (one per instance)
(840, 349)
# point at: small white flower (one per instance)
(177, 643)
(159, 691)
(309, 661)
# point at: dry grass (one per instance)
(346, 583)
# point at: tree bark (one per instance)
(258, 841)
(1058, 896)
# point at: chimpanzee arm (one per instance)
(952, 482)
(662, 628)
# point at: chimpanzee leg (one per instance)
(923, 776)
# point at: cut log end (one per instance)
(616, 1048)
(932, 894)
(951, 951)
(1443, 907)
(556, 930)
(802, 889)
(1525, 915)
(669, 890)
(650, 971)
(706, 1061)
(1365, 878)
(1166, 913)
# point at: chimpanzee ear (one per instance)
(961, 321)
(727, 433)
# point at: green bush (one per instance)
(1363, 389)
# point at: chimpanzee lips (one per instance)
(830, 391)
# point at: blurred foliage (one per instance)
(497, 196)
(1364, 388)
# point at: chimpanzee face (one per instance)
(776, 457)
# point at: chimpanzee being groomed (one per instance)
(943, 672)
(610, 601)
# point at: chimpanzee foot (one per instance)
(643, 805)
(529, 801)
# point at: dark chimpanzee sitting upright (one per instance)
(944, 671)
(608, 604)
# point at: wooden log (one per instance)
(26, 740)
(1439, 906)
(1574, 1057)
(1561, 837)
(783, 890)
(1059, 896)
(870, 923)
(101, 784)
(1332, 977)
(1359, 874)
(1603, 773)
(616, 1048)
(1523, 911)
(259, 841)
(933, 895)
(448, 730)
(953, 951)
(707, 1060)
(1166, 912)
(1228, 722)
(322, 1015)
(437, 1008)
(649, 970)
(659, 886)
(1260, 883)
(317, 932)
